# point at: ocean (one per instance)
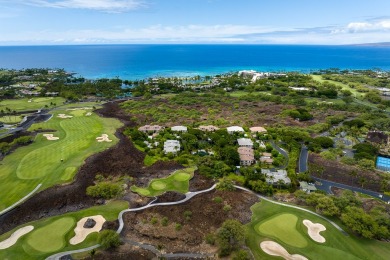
(144, 61)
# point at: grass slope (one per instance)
(337, 245)
(40, 162)
(52, 235)
(178, 181)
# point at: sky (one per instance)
(62, 22)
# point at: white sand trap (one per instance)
(273, 248)
(50, 137)
(314, 230)
(88, 114)
(103, 138)
(63, 116)
(15, 236)
(82, 233)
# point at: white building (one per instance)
(245, 142)
(273, 176)
(235, 129)
(171, 146)
(180, 128)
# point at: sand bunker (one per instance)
(89, 114)
(15, 236)
(50, 137)
(82, 233)
(103, 138)
(63, 116)
(314, 230)
(273, 248)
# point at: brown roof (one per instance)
(150, 128)
(208, 128)
(246, 154)
(258, 129)
(266, 160)
(267, 154)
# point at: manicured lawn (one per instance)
(36, 103)
(52, 235)
(50, 238)
(282, 227)
(178, 181)
(272, 220)
(40, 162)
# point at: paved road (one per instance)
(189, 195)
(27, 122)
(282, 151)
(327, 185)
(302, 164)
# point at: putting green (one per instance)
(283, 227)
(182, 176)
(158, 185)
(50, 238)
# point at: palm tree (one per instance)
(362, 181)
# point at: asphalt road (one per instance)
(302, 164)
(327, 185)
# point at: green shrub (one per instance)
(210, 239)
(154, 221)
(227, 207)
(164, 221)
(104, 190)
(109, 239)
(178, 226)
(218, 199)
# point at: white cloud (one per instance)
(383, 25)
(112, 6)
(363, 33)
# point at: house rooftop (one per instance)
(179, 128)
(244, 142)
(232, 129)
(258, 129)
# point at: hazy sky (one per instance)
(31, 22)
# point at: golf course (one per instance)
(177, 181)
(59, 149)
(273, 223)
(53, 234)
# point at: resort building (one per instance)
(182, 129)
(235, 129)
(171, 146)
(266, 158)
(208, 128)
(274, 176)
(247, 156)
(245, 142)
(258, 129)
(306, 187)
(150, 128)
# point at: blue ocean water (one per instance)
(143, 61)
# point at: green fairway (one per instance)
(178, 181)
(23, 104)
(54, 162)
(284, 226)
(52, 235)
(50, 238)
